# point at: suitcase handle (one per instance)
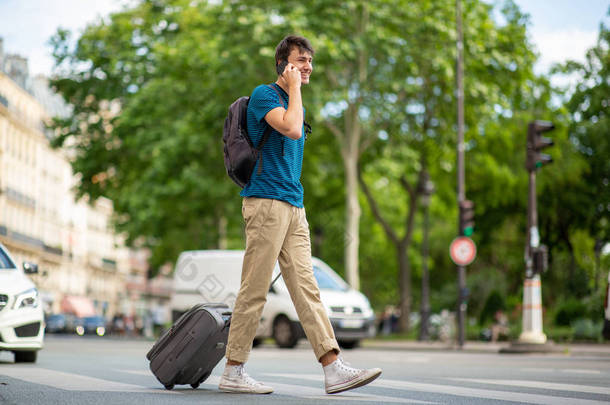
(275, 279)
(215, 305)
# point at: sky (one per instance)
(560, 29)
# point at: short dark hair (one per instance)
(285, 46)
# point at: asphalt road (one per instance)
(75, 370)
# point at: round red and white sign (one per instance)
(462, 251)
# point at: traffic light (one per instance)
(540, 259)
(466, 217)
(536, 142)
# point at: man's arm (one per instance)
(289, 122)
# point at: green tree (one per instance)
(579, 203)
(501, 92)
(150, 87)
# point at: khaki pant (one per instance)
(277, 230)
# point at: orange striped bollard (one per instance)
(532, 312)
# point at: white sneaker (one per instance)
(340, 376)
(235, 379)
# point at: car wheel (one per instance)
(25, 357)
(349, 344)
(284, 333)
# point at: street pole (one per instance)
(427, 191)
(532, 339)
(461, 192)
(531, 332)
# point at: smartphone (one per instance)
(281, 66)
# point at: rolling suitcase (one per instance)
(188, 352)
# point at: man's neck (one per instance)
(282, 84)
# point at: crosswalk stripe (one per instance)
(73, 382)
(565, 370)
(580, 371)
(135, 372)
(540, 384)
(468, 392)
(403, 359)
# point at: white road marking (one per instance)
(404, 359)
(565, 370)
(73, 382)
(538, 370)
(136, 372)
(374, 399)
(467, 392)
(541, 384)
(580, 371)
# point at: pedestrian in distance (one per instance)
(277, 230)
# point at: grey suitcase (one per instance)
(188, 352)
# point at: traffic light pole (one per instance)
(531, 332)
(532, 224)
(532, 339)
(461, 192)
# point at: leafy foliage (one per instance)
(150, 87)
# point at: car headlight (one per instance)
(367, 311)
(27, 299)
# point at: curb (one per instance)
(601, 349)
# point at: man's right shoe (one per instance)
(235, 379)
(340, 376)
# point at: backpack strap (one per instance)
(259, 148)
(278, 94)
(266, 134)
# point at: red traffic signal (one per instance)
(536, 142)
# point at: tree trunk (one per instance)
(404, 271)
(352, 220)
(402, 245)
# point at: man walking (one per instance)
(277, 229)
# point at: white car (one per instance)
(214, 276)
(21, 315)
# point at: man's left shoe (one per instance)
(340, 376)
(235, 379)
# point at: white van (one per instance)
(215, 275)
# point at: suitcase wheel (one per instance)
(169, 386)
(195, 385)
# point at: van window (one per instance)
(5, 262)
(326, 282)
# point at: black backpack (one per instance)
(240, 154)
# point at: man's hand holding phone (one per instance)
(290, 73)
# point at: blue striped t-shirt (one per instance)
(280, 177)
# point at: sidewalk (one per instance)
(576, 349)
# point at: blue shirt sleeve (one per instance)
(263, 100)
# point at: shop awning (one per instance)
(79, 306)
